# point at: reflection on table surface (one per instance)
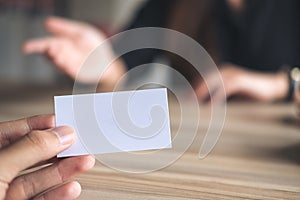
(257, 155)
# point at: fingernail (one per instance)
(65, 134)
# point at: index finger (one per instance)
(63, 26)
(13, 130)
(39, 45)
(34, 147)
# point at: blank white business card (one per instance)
(115, 122)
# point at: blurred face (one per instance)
(236, 5)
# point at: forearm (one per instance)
(265, 86)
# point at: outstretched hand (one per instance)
(70, 44)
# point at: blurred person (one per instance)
(33, 142)
(250, 41)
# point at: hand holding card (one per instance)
(115, 122)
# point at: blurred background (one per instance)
(23, 19)
(259, 147)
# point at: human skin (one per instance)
(33, 142)
(265, 87)
(69, 46)
(72, 41)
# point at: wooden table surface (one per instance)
(256, 157)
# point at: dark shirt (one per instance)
(264, 36)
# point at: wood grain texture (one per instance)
(256, 157)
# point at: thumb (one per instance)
(33, 148)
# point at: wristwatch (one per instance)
(294, 76)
